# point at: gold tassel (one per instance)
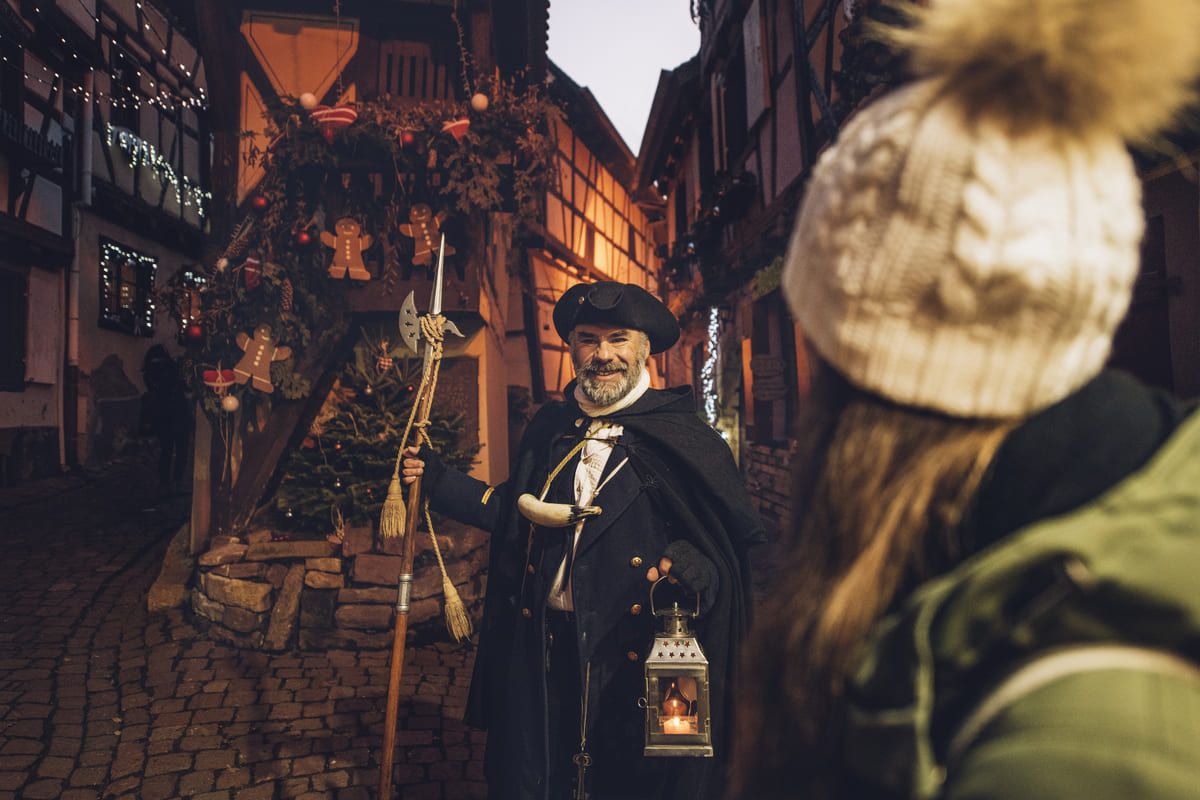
(393, 517)
(458, 622)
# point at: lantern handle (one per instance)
(654, 612)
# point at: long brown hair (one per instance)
(879, 492)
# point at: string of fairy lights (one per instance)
(188, 193)
(708, 373)
(163, 97)
(126, 283)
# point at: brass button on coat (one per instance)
(526, 613)
(635, 609)
(632, 656)
(636, 561)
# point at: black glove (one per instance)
(435, 468)
(694, 571)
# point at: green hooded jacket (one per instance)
(1063, 661)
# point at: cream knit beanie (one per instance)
(970, 243)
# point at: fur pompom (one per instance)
(1085, 67)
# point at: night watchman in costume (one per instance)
(612, 487)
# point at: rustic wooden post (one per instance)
(202, 484)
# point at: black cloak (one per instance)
(687, 471)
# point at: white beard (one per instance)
(604, 393)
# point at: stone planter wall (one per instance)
(272, 594)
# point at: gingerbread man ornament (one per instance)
(348, 246)
(423, 228)
(255, 365)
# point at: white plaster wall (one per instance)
(96, 343)
(36, 407)
(492, 466)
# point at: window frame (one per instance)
(140, 321)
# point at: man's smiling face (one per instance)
(608, 360)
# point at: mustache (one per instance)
(602, 368)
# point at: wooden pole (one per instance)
(399, 636)
(404, 592)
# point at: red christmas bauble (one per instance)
(260, 202)
(304, 238)
(407, 138)
(194, 332)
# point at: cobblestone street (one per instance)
(99, 698)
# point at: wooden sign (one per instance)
(770, 378)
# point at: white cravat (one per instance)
(601, 438)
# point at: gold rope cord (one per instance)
(393, 518)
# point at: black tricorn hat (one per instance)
(624, 305)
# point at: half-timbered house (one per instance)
(731, 138)
(595, 227)
(105, 171)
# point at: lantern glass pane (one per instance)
(677, 706)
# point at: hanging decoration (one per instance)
(424, 228)
(287, 295)
(219, 380)
(384, 361)
(252, 272)
(193, 334)
(348, 245)
(479, 102)
(308, 101)
(331, 120)
(230, 403)
(457, 128)
(260, 352)
(188, 193)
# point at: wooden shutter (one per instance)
(13, 292)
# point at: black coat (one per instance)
(681, 483)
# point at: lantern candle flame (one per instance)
(678, 725)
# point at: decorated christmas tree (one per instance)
(343, 467)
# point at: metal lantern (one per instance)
(678, 721)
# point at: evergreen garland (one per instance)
(374, 169)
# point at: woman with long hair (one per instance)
(987, 594)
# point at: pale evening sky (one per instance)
(617, 47)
